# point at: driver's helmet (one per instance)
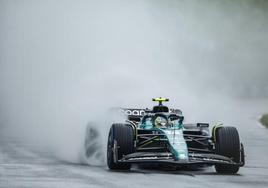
(160, 122)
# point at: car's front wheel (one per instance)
(227, 143)
(121, 141)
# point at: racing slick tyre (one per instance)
(227, 143)
(121, 141)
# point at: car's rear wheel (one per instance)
(227, 143)
(121, 136)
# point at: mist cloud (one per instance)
(63, 63)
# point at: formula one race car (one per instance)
(159, 136)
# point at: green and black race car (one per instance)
(159, 136)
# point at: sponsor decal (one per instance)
(142, 112)
(133, 112)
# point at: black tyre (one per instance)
(123, 135)
(227, 144)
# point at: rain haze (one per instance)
(63, 64)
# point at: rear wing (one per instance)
(135, 114)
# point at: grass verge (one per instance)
(264, 120)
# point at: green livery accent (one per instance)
(177, 143)
(174, 138)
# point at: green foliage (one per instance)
(264, 120)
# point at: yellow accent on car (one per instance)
(215, 129)
(160, 99)
(148, 141)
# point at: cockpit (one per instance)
(161, 120)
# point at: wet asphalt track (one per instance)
(22, 167)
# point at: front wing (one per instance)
(167, 158)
